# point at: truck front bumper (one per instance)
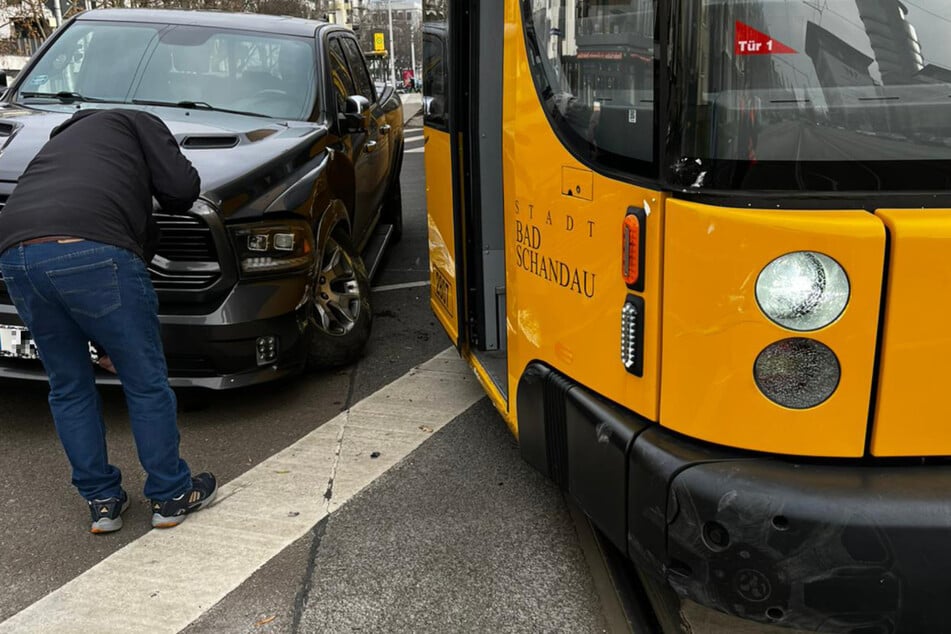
(835, 546)
(215, 347)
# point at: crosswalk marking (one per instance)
(168, 578)
(399, 287)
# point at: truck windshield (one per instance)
(259, 73)
(810, 95)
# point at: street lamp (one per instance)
(389, 10)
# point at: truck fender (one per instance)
(341, 182)
(300, 192)
(334, 215)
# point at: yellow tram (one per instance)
(699, 254)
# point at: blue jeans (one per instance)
(71, 294)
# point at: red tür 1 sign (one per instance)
(749, 41)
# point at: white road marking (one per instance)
(415, 150)
(168, 578)
(397, 287)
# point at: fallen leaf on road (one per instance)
(264, 621)
(428, 430)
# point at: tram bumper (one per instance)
(831, 546)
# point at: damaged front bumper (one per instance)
(850, 546)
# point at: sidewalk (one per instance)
(461, 536)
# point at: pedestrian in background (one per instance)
(75, 237)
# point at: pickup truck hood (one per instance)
(225, 148)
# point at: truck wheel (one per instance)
(340, 316)
(393, 210)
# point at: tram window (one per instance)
(595, 72)
(820, 96)
(435, 82)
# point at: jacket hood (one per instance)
(82, 114)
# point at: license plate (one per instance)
(16, 342)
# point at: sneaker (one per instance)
(107, 514)
(169, 513)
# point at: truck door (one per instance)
(362, 144)
(375, 163)
(462, 95)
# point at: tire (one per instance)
(393, 210)
(340, 313)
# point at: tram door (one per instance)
(462, 106)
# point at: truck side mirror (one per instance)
(356, 113)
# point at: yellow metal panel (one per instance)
(492, 390)
(439, 212)
(577, 182)
(714, 330)
(913, 411)
(563, 235)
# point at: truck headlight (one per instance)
(803, 290)
(270, 247)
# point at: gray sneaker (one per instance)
(107, 514)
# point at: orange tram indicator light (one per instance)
(632, 239)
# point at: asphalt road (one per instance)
(458, 535)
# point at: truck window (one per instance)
(358, 69)
(224, 68)
(97, 60)
(339, 74)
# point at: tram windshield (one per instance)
(809, 95)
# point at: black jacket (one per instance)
(95, 179)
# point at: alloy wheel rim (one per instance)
(337, 297)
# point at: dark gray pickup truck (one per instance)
(299, 156)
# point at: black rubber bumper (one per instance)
(845, 547)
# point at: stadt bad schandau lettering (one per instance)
(529, 253)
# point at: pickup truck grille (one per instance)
(186, 258)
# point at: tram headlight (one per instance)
(797, 373)
(803, 291)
